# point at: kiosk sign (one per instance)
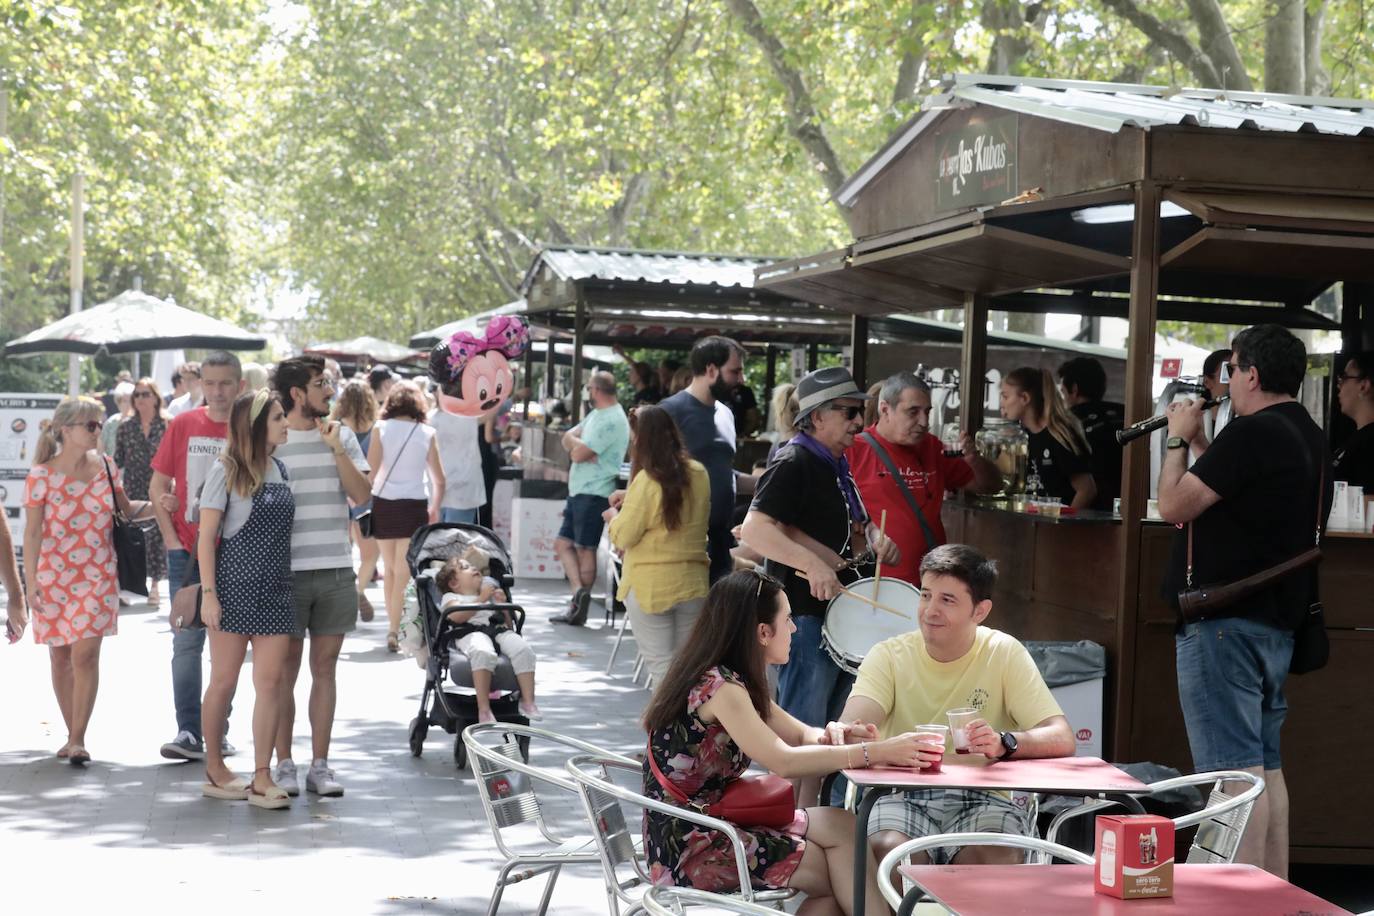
(21, 417)
(977, 164)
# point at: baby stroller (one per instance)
(449, 700)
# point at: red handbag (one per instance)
(749, 801)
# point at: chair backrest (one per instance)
(674, 901)
(507, 786)
(1221, 822)
(1044, 848)
(621, 868)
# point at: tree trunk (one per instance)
(1217, 45)
(623, 211)
(1317, 76)
(1169, 37)
(911, 71)
(803, 121)
(1005, 20)
(1284, 38)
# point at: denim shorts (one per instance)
(1230, 684)
(582, 521)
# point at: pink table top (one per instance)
(1065, 775)
(1067, 890)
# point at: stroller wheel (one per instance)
(460, 753)
(418, 729)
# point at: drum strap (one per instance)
(886, 459)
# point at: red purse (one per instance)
(749, 801)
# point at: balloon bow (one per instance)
(505, 333)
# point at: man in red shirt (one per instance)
(902, 433)
(191, 445)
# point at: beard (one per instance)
(311, 413)
(720, 389)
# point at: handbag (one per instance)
(1311, 646)
(365, 520)
(130, 549)
(749, 801)
(185, 612)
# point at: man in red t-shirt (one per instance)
(191, 445)
(901, 430)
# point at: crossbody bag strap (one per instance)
(901, 485)
(391, 467)
(114, 499)
(663, 781)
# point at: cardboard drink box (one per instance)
(1135, 856)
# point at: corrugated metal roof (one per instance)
(1112, 106)
(570, 263)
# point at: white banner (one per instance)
(20, 416)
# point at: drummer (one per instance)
(809, 524)
(899, 441)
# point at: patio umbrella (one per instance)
(132, 322)
(378, 350)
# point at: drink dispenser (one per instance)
(1003, 443)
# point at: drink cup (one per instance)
(937, 735)
(959, 720)
(1050, 508)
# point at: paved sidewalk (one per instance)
(132, 829)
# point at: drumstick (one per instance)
(878, 568)
(864, 598)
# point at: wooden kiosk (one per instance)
(1134, 201)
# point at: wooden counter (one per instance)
(1059, 580)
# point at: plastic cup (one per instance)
(959, 720)
(934, 734)
(1050, 508)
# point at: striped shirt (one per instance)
(319, 536)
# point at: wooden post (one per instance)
(770, 381)
(858, 345)
(528, 381)
(550, 369)
(813, 352)
(579, 340)
(973, 363)
(1135, 468)
(78, 249)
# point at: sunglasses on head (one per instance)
(92, 426)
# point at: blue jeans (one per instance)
(450, 516)
(188, 646)
(1231, 672)
(811, 686)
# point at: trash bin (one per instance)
(1075, 672)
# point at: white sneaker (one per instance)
(285, 776)
(320, 780)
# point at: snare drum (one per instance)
(853, 626)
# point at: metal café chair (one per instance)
(1220, 824)
(508, 788)
(623, 867)
(673, 901)
(904, 904)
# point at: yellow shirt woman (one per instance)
(663, 567)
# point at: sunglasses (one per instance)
(850, 411)
(92, 426)
(143, 394)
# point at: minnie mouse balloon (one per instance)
(473, 373)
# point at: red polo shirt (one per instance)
(928, 474)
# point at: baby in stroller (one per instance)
(463, 583)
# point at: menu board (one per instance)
(20, 416)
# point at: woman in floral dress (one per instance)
(135, 444)
(710, 715)
(69, 560)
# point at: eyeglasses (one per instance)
(1343, 378)
(850, 411)
(321, 383)
(92, 426)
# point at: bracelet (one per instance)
(867, 763)
(848, 760)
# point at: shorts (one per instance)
(926, 812)
(582, 521)
(1231, 672)
(398, 518)
(326, 601)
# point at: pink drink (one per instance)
(936, 735)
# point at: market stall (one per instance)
(1150, 204)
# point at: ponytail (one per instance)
(47, 443)
(1048, 406)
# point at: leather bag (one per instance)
(130, 549)
(185, 612)
(749, 801)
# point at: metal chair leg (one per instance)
(548, 890)
(500, 888)
(619, 635)
(639, 666)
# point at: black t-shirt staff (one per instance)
(802, 519)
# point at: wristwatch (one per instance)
(1175, 442)
(1009, 745)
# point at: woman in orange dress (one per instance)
(69, 561)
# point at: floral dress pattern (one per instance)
(78, 584)
(134, 453)
(701, 759)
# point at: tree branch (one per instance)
(912, 67)
(1218, 46)
(803, 122)
(635, 189)
(1169, 38)
(1318, 77)
(496, 273)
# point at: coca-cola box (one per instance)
(1135, 856)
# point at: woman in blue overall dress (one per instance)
(246, 513)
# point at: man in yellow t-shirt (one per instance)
(953, 662)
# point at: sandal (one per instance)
(64, 752)
(155, 600)
(393, 643)
(273, 799)
(233, 790)
(78, 756)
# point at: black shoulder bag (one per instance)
(886, 459)
(130, 549)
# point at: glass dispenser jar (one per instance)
(1003, 442)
